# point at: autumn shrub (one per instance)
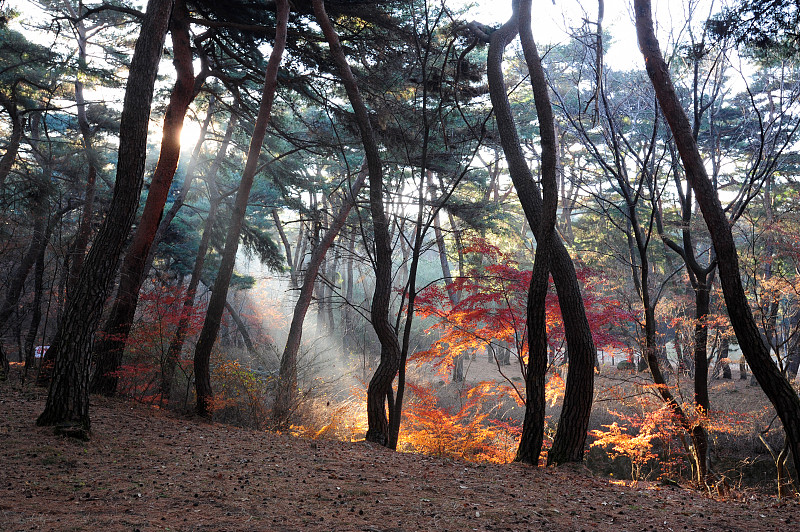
(333, 418)
(647, 437)
(240, 393)
(466, 433)
(145, 357)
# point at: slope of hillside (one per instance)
(149, 470)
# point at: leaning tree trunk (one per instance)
(580, 378)
(380, 386)
(774, 384)
(68, 397)
(188, 181)
(286, 392)
(109, 348)
(211, 325)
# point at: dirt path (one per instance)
(148, 470)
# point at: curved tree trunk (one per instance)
(774, 384)
(380, 386)
(68, 397)
(580, 379)
(285, 394)
(208, 335)
(111, 345)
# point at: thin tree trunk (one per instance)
(179, 337)
(208, 335)
(774, 384)
(242, 327)
(68, 396)
(286, 247)
(348, 335)
(38, 243)
(380, 386)
(111, 345)
(38, 292)
(286, 392)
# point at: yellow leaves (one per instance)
(554, 389)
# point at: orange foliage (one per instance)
(465, 433)
(491, 312)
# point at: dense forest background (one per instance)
(386, 220)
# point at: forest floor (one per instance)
(146, 469)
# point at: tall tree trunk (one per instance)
(580, 378)
(111, 345)
(188, 181)
(38, 292)
(84, 231)
(348, 334)
(208, 335)
(380, 386)
(286, 392)
(68, 396)
(774, 384)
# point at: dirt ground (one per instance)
(150, 470)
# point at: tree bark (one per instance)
(286, 392)
(111, 345)
(774, 384)
(188, 181)
(580, 378)
(380, 386)
(208, 335)
(68, 396)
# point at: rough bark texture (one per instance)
(580, 378)
(774, 384)
(286, 392)
(68, 397)
(111, 345)
(208, 335)
(380, 386)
